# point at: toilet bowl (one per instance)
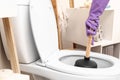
(55, 64)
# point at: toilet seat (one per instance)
(55, 64)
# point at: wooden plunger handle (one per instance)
(88, 49)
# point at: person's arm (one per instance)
(96, 10)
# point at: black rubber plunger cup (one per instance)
(86, 62)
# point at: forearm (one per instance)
(98, 7)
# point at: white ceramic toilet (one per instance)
(38, 36)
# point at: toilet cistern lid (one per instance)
(44, 27)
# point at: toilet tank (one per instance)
(24, 41)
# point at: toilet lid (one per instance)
(44, 27)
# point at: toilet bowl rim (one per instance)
(54, 61)
(58, 54)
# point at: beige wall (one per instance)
(62, 5)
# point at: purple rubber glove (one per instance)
(96, 10)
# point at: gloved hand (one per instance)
(96, 10)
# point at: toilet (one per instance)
(36, 39)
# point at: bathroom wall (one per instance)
(62, 5)
(62, 16)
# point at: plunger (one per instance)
(86, 62)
